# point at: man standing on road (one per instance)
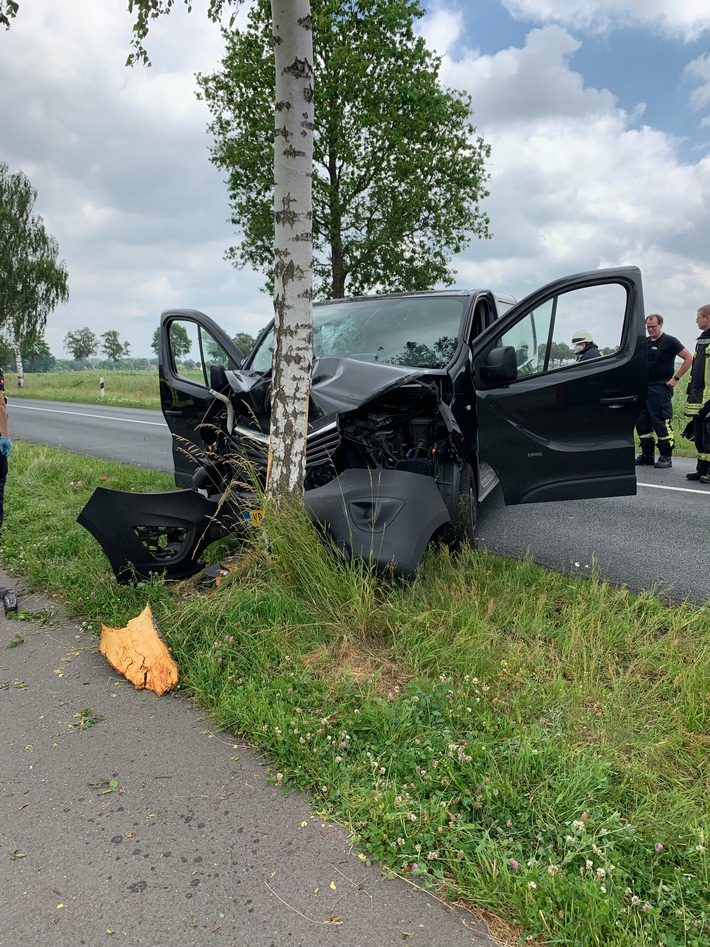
(5, 443)
(698, 405)
(657, 413)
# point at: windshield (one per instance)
(415, 332)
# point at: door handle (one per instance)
(172, 414)
(620, 401)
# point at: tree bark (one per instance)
(18, 366)
(293, 265)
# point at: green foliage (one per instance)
(8, 10)
(32, 279)
(244, 342)
(532, 742)
(112, 346)
(179, 340)
(81, 344)
(398, 172)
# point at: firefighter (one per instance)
(584, 346)
(657, 414)
(698, 405)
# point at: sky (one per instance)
(597, 113)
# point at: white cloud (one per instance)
(698, 71)
(120, 160)
(575, 185)
(685, 18)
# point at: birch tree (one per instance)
(292, 212)
(33, 281)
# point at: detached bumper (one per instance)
(152, 533)
(384, 517)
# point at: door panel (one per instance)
(189, 343)
(564, 429)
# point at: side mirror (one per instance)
(501, 365)
(218, 377)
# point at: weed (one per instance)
(85, 719)
(14, 642)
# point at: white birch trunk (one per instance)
(293, 289)
(18, 366)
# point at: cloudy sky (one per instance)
(598, 117)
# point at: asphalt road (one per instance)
(652, 540)
(128, 435)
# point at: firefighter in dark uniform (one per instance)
(584, 346)
(5, 443)
(657, 415)
(698, 405)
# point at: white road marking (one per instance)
(660, 486)
(84, 414)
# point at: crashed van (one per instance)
(420, 405)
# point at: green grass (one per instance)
(531, 742)
(121, 388)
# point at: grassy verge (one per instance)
(534, 743)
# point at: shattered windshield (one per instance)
(413, 332)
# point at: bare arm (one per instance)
(685, 367)
(4, 430)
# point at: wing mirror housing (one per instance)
(218, 377)
(501, 365)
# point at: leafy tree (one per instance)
(561, 352)
(113, 348)
(398, 170)
(179, 340)
(36, 356)
(8, 9)
(81, 344)
(32, 280)
(244, 341)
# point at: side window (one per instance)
(193, 350)
(592, 316)
(264, 356)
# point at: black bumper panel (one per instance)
(152, 533)
(384, 517)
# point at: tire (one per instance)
(466, 516)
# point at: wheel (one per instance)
(466, 515)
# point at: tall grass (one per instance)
(531, 742)
(121, 388)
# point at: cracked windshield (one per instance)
(417, 333)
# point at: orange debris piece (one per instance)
(139, 653)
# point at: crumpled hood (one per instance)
(339, 384)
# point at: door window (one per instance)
(543, 338)
(193, 349)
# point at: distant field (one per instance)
(129, 389)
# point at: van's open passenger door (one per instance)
(553, 428)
